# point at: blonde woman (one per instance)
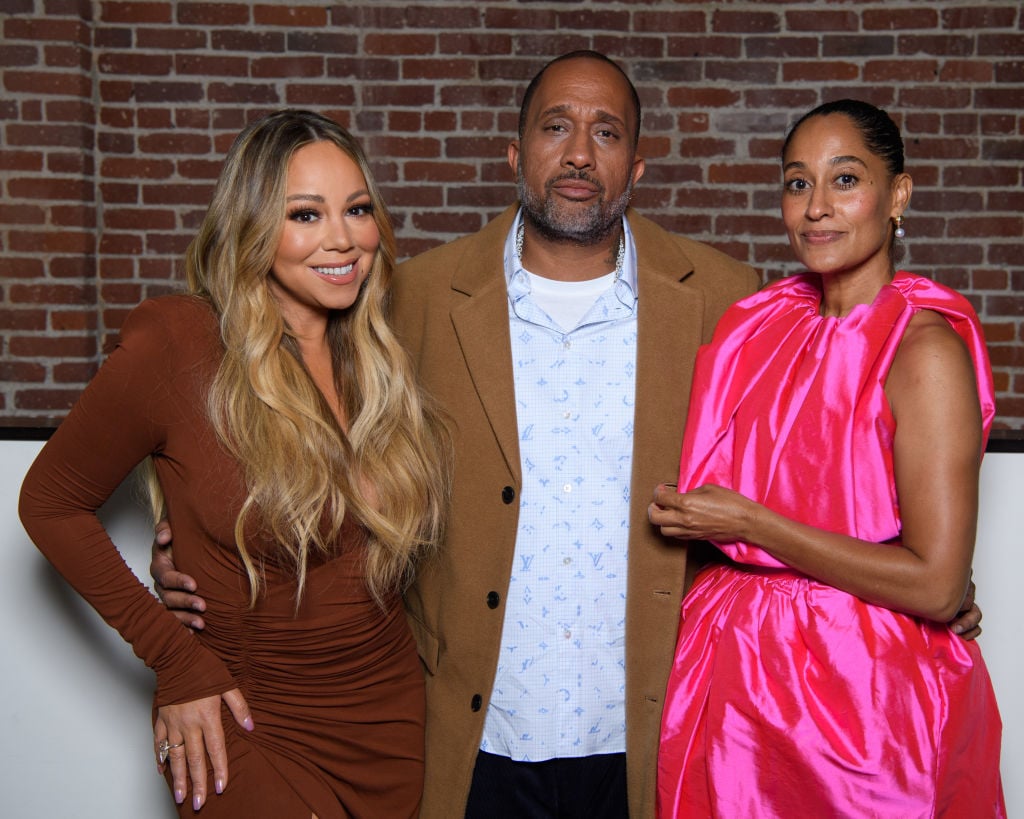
(304, 474)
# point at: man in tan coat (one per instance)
(576, 162)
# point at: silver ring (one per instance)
(164, 749)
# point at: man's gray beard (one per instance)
(584, 227)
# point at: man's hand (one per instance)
(175, 589)
(967, 622)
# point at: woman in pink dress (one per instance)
(832, 453)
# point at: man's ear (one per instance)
(639, 166)
(513, 156)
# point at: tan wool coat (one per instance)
(450, 308)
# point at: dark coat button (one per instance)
(508, 494)
(476, 702)
(493, 598)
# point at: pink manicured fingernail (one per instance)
(197, 802)
(247, 724)
(219, 786)
(179, 796)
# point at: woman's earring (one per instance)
(899, 233)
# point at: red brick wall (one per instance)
(114, 117)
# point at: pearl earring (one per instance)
(899, 233)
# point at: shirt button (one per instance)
(566, 560)
(476, 702)
(567, 634)
(508, 494)
(567, 487)
(493, 598)
(567, 415)
(566, 344)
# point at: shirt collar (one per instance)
(518, 282)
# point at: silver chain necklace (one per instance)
(620, 256)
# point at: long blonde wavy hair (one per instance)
(303, 472)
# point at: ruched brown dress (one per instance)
(335, 687)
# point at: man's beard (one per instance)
(556, 221)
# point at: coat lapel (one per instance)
(670, 330)
(480, 317)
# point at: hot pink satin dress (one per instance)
(789, 697)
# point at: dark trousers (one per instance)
(588, 787)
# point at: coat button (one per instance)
(508, 494)
(493, 598)
(476, 702)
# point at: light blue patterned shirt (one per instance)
(560, 684)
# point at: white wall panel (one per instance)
(75, 737)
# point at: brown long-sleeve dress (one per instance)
(336, 688)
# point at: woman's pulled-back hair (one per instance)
(303, 472)
(876, 127)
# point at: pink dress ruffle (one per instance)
(789, 697)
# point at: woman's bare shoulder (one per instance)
(932, 362)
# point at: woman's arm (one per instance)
(121, 417)
(937, 452)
